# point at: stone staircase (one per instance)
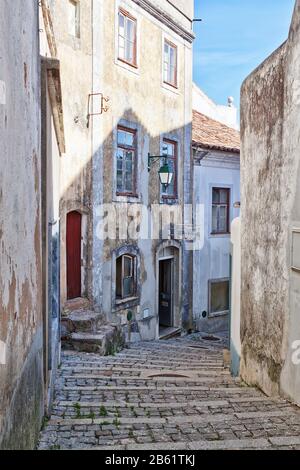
(84, 330)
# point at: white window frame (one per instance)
(76, 5)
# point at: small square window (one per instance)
(125, 277)
(74, 18)
(219, 296)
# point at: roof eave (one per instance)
(216, 147)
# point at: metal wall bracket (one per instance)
(103, 108)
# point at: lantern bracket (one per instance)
(155, 158)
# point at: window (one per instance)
(219, 296)
(126, 161)
(125, 277)
(220, 210)
(170, 64)
(74, 18)
(170, 149)
(127, 38)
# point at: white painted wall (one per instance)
(228, 115)
(235, 317)
(211, 261)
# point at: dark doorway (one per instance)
(74, 255)
(165, 293)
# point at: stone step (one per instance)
(91, 432)
(81, 321)
(80, 303)
(116, 367)
(158, 388)
(131, 409)
(119, 380)
(177, 420)
(226, 444)
(107, 340)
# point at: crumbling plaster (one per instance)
(270, 210)
(20, 228)
(140, 100)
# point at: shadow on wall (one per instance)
(94, 185)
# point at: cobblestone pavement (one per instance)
(167, 395)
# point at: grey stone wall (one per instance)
(270, 132)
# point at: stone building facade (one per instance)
(270, 221)
(150, 92)
(146, 71)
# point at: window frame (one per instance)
(174, 46)
(212, 282)
(227, 204)
(127, 16)
(133, 276)
(132, 193)
(77, 24)
(173, 196)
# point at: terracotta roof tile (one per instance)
(213, 134)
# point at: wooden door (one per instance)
(165, 293)
(73, 255)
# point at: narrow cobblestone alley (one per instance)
(168, 395)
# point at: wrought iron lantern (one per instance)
(165, 173)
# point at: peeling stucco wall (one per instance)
(270, 211)
(76, 64)
(21, 375)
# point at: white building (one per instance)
(216, 158)
(227, 115)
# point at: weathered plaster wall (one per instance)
(211, 259)
(270, 202)
(75, 56)
(140, 100)
(21, 375)
(290, 376)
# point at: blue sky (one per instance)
(233, 39)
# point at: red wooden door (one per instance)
(73, 255)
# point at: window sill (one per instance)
(171, 85)
(169, 200)
(170, 88)
(127, 195)
(218, 314)
(128, 67)
(133, 65)
(119, 302)
(121, 198)
(123, 304)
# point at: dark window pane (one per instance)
(215, 219)
(119, 277)
(219, 297)
(224, 196)
(216, 196)
(128, 286)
